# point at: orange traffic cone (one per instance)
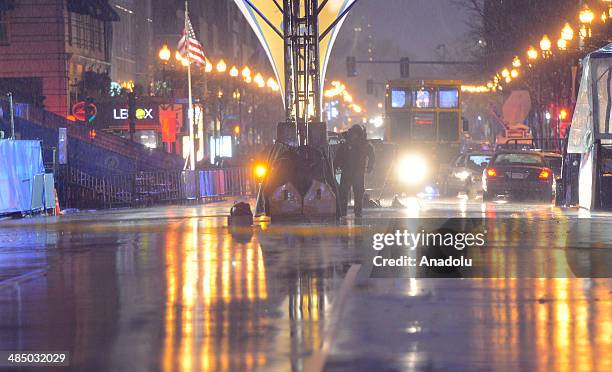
(57, 210)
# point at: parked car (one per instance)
(519, 175)
(465, 174)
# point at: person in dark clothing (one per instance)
(354, 158)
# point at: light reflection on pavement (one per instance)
(175, 289)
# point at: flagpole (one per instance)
(191, 115)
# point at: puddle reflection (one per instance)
(216, 291)
(549, 324)
(229, 307)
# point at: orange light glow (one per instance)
(260, 171)
(544, 174)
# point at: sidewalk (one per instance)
(218, 209)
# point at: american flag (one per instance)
(190, 47)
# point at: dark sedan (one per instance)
(519, 175)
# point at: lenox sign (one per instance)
(116, 115)
(141, 114)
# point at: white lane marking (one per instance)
(316, 362)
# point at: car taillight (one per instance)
(544, 175)
(491, 173)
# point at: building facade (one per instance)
(46, 45)
(132, 54)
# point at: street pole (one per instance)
(11, 114)
(190, 113)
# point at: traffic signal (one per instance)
(405, 67)
(351, 66)
(370, 86)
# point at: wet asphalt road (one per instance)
(175, 289)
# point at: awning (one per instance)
(7, 5)
(98, 9)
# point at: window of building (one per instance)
(4, 29)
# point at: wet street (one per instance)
(176, 289)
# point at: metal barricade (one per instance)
(217, 183)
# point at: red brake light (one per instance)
(544, 175)
(491, 172)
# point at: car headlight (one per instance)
(463, 175)
(412, 169)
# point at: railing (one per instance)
(78, 189)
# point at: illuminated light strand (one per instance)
(586, 16)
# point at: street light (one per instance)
(505, 73)
(178, 56)
(532, 53)
(516, 62)
(208, 67)
(221, 66)
(567, 33)
(259, 80)
(562, 44)
(514, 73)
(586, 15)
(234, 72)
(272, 84)
(246, 72)
(164, 53)
(545, 46)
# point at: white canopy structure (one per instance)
(298, 36)
(591, 122)
(263, 14)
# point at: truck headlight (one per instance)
(412, 169)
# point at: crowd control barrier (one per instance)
(80, 190)
(216, 183)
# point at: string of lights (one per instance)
(221, 67)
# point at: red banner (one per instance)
(168, 122)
